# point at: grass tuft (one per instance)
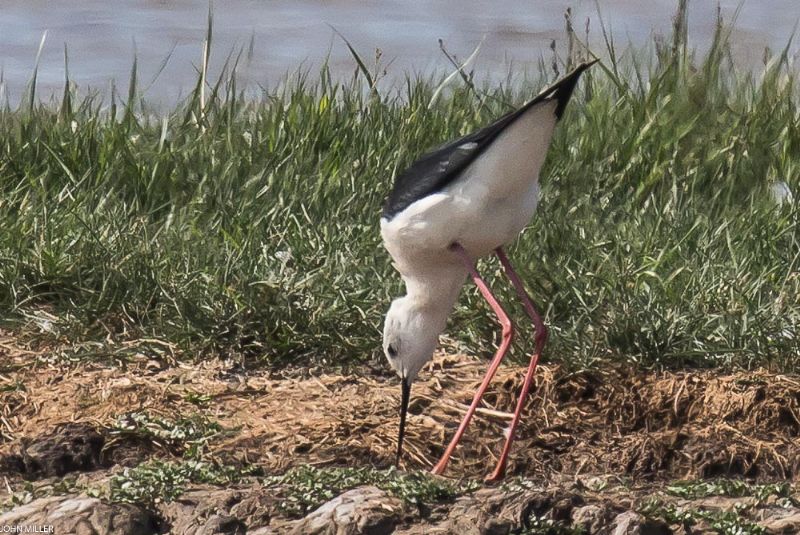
(721, 522)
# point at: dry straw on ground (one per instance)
(653, 425)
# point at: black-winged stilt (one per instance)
(458, 203)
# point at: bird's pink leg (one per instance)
(508, 333)
(541, 338)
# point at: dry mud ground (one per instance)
(597, 452)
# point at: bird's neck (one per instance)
(434, 294)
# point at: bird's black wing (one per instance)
(438, 168)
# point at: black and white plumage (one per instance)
(455, 204)
(435, 170)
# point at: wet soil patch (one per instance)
(73, 447)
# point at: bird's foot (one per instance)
(498, 474)
(440, 467)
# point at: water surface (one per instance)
(103, 35)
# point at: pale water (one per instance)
(102, 35)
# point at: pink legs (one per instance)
(540, 339)
(505, 322)
(508, 333)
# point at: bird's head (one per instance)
(410, 335)
(409, 339)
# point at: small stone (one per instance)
(627, 523)
(363, 510)
(632, 523)
(223, 525)
(589, 518)
(784, 525)
(210, 510)
(723, 503)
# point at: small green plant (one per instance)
(519, 484)
(734, 488)
(158, 481)
(15, 386)
(26, 494)
(197, 398)
(190, 434)
(305, 488)
(730, 523)
(31, 491)
(722, 522)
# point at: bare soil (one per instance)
(632, 430)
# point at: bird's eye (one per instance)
(391, 351)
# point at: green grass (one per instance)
(29, 491)
(250, 227)
(546, 526)
(724, 522)
(298, 491)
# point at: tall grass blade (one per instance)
(32, 89)
(66, 98)
(362, 67)
(458, 71)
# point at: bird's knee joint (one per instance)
(542, 334)
(508, 330)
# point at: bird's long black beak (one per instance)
(406, 386)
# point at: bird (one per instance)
(462, 201)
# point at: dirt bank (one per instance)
(608, 440)
(668, 425)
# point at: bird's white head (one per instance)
(410, 336)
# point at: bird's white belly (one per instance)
(479, 223)
(499, 221)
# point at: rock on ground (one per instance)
(255, 510)
(784, 525)
(82, 516)
(215, 511)
(363, 510)
(589, 518)
(632, 523)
